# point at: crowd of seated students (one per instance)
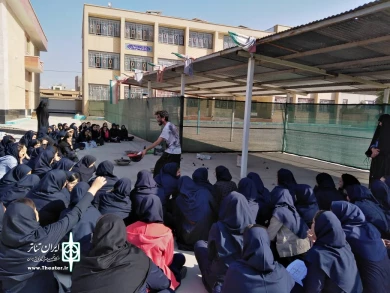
(243, 235)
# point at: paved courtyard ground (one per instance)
(266, 164)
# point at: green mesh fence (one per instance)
(334, 133)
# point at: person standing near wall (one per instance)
(379, 150)
(170, 135)
(42, 115)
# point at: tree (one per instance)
(380, 97)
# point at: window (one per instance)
(192, 103)
(104, 60)
(104, 27)
(137, 62)
(168, 62)
(27, 46)
(171, 36)
(305, 105)
(99, 92)
(142, 32)
(165, 94)
(135, 92)
(345, 101)
(325, 105)
(223, 104)
(201, 40)
(228, 42)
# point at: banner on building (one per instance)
(139, 48)
(114, 91)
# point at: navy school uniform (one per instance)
(326, 191)
(264, 199)
(106, 170)
(305, 203)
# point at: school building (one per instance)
(115, 41)
(21, 41)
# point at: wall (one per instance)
(16, 53)
(4, 61)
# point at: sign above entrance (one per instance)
(139, 48)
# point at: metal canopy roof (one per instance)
(349, 52)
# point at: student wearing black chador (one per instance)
(257, 271)
(21, 232)
(115, 265)
(326, 192)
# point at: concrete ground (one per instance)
(266, 164)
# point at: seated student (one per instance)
(347, 180)
(85, 167)
(168, 179)
(144, 186)
(43, 163)
(66, 148)
(224, 184)
(287, 228)
(2, 211)
(124, 134)
(89, 143)
(64, 164)
(20, 189)
(48, 198)
(325, 191)
(105, 134)
(257, 271)
(381, 192)
(117, 201)
(14, 156)
(96, 136)
(287, 180)
(72, 180)
(225, 242)
(21, 232)
(83, 230)
(362, 197)
(6, 142)
(28, 137)
(330, 263)
(115, 265)
(115, 133)
(306, 203)
(366, 244)
(248, 189)
(106, 170)
(34, 144)
(156, 240)
(195, 212)
(264, 199)
(201, 178)
(12, 177)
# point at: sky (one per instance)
(62, 22)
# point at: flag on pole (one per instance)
(245, 42)
(180, 55)
(188, 66)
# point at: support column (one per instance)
(182, 92)
(150, 90)
(232, 122)
(247, 117)
(386, 95)
(4, 61)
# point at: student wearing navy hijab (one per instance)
(63, 164)
(248, 189)
(106, 170)
(381, 192)
(83, 230)
(325, 191)
(144, 186)
(201, 178)
(224, 184)
(43, 163)
(287, 228)
(117, 201)
(21, 231)
(305, 203)
(20, 189)
(2, 211)
(331, 266)
(12, 177)
(264, 199)
(85, 167)
(362, 197)
(367, 246)
(225, 242)
(194, 213)
(168, 179)
(257, 271)
(48, 198)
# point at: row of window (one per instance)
(112, 61)
(144, 32)
(99, 92)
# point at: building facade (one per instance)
(21, 41)
(116, 41)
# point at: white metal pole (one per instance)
(247, 116)
(150, 91)
(183, 84)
